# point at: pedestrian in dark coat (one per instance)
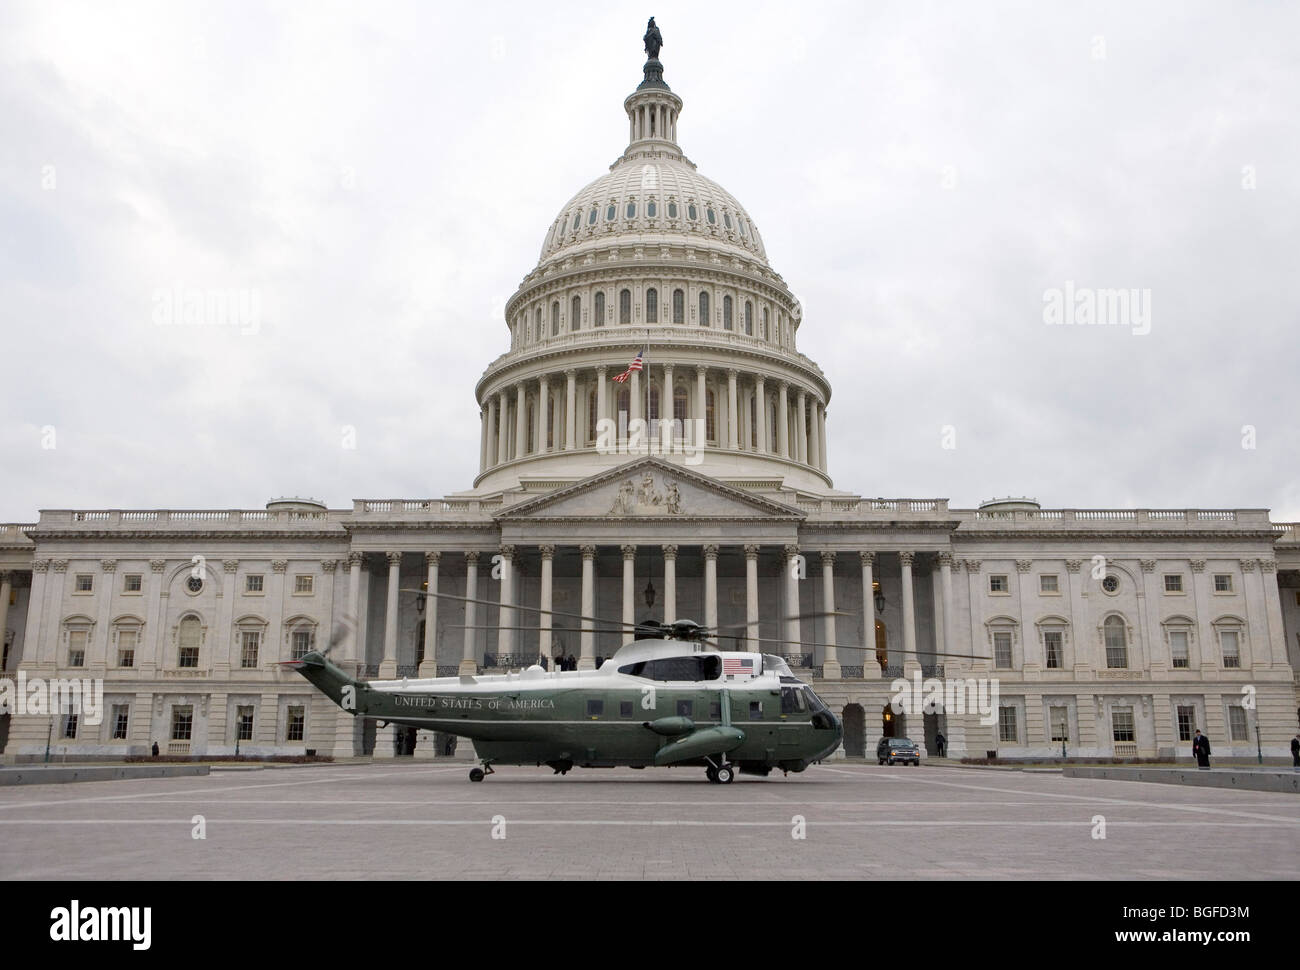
(1201, 750)
(940, 743)
(1295, 751)
(155, 749)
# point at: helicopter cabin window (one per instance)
(756, 710)
(625, 709)
(700, 667)
(792, 701)
(595, 708)
(715, 710)
(685, 708)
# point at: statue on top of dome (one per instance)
(653, 39)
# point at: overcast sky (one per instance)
(380, 176)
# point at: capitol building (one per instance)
(699, 486)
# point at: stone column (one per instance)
(670, 583)
(429, 667)
(226, 654)
(629, 587)
(6, 588)
(831, 663)
(492, 434)
(388, 668)
(483, 439)
(733, 415)
(503, 436)
(751, 599)
(602, 410)
(821, 432)
(469, 663)
(760, 414)
(801, 427)
(97, 649)
(587, 660)
(635, 410)
(36, 607)
(783, 420)
(910, 658)
(505, 612)
(1276, 652)
(354, 650)
(711, 588)
(544, 622)
(543, 406)
(870, 665)
(521, 426)
(571, 410)
(701, 398)
(815, 440)
(945, 604)
(791, 599)
(275, 597)
(667, 414)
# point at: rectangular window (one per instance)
(1059, 719)
(189, 657)
(595, 708)
(70, 725)
(1007, 724)
(85, 583)
(1049, 584)
(756, 710)
(1186, 722)
(132, 583)
(1237, 729)
(1174, 583)
(685, 708)
(1053, 648)
(998, 584)
(244, 723)
(297, 721)
(301, 643)
(624, 708)
(182, 722)
(121, 719)
(303, 583)
(715, 710)
(253, 584)
(1223, 582)
(1121, 725)
(1178, 648)
(250, 642)
(1002, 650)
(126, 643)
(77, 648)
(1229, 644)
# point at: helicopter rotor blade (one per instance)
(526, 609)
(800, 616)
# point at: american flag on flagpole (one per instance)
(634, 366)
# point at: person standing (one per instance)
(940, 744)
(1295, 751)
(155, 749)
(1201, 751)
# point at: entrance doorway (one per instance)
(882, 645)
(890, 723)
(855, 731)
(4, 731)
(404, 741)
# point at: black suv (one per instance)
(899, 750)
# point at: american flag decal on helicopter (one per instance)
(734, 666)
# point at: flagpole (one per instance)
(645, 367)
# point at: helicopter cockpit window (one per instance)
(815, 703)
(777, 665)
(792, 701)
(699, 667)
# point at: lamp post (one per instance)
(1259, 748)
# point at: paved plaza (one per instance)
(387, 820)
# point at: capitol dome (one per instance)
(653, 262)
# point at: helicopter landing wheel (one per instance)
(724, 775)
(711, 773)
(476, 774)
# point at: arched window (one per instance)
(753, 421)
(600, 310)
(767, 334)
(577, 221)
(679, 306)
(575, 317)
(550, 423)
(189, 636)
(672, 210)
(611, 213)
(631, 210)
(591, 216)
(679, 402)
(650, 209)
(749, 318)
(625, 306)
(654, 402)
(625, 401)
(537, 319)
(691, 212)
(712, 217)
(532, 438)
(771, 429)
(710, 426)
(1116, 642)
(726, 312)
(555, 319)
(704, 309)
(652, 306)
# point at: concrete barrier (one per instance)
(64, 774)
(1280, 781)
